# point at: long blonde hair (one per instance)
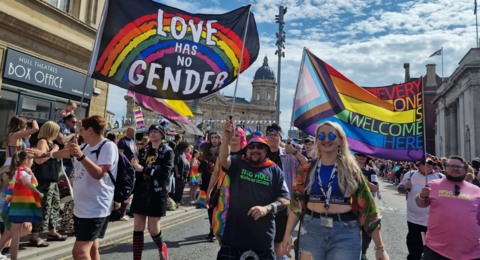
(49, 131)
(347, 166)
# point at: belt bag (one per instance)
(47, 171)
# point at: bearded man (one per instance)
(257, 191)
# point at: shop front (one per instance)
(38, 89)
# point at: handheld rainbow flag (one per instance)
(386, 124)
(138, 116)
(161, 51)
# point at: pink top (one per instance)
(452, 225)
(188, 156)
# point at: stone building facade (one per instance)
(45, 51)
(458, 111)
(261, 106)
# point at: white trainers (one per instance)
(2, 257)
(124, 218)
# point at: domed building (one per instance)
(257, 113)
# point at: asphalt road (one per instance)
(185, 235)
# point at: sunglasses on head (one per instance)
(331, 136)
(215, 137)
(154, 131)
(259, 146)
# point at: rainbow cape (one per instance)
(201, 201)
(384, 122)
(25, 206)
(220, 212)
(161, 51)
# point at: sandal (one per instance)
(36, 242)
(56, 237)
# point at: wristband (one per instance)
(295, 153)
(420, 197)
(81, 158)
(380, 248)
(51, 154)
(274, 208)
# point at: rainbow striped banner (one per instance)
(160, 51)
(138, 116)
(385, 122)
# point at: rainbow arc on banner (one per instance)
(385, 122)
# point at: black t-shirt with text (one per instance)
(252, 186)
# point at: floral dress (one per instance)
(362, 201)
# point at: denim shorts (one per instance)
(342, 241)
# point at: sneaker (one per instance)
(364, 257)
(6, 251)
(124, 218)
(2, 257)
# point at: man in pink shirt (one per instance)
(453, 232)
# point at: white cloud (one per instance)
(265, 10)
(296, 24)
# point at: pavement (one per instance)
(114, 230)
(185, 230)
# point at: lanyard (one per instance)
(329, 187)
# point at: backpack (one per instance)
(125, 181)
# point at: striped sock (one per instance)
(137, 245)
(158, 239)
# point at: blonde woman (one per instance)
(333, 198)
(46, 170)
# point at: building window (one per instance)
(259, 127)
(63, 5)
(257, 95)
(268, 95)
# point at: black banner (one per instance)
(164, 52)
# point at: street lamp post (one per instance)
(280, 44)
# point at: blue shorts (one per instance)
(342, 241)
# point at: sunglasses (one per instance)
(360, 155)
(74, 122)
(457, 190)
(258, 146)
(331, 136)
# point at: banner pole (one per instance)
(81, 100)
(424, 132)
(241, 59)
(135, 127)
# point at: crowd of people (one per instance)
(255, 187)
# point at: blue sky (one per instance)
(366, 40)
